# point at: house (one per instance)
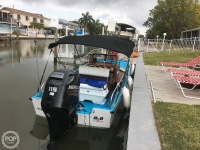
(22, 18)
(127, 31)
(192, 33)
(10, 18)
(123, 30)
(58, 23)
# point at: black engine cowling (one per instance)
(60, 100)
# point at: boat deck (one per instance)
(88, 106)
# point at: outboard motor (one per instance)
(60, 100)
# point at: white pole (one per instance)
(139, 44)
(12, 58)
(148, 46)
(194, 43)
(102, 34)
(152, 91)
(27, 30)
(163, 41)
(67, 49)
(102, 30)
(157, 41)
(83, 45)
(170, 45)
(11, 26)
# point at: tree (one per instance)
(172, 17)
(75, 21)
(62, 32)
(95, 27)
(40, 26)
(37, 26)
(141, 36)
(85, 20)
(17, 33)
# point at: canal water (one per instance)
(19, 81)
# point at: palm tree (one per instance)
(37, 26)
(17, 33)
(33, 25)
(95, 27)
(85, 20)
(40, 26)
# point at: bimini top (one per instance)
(117, 44)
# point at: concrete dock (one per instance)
(142, 134)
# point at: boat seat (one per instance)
(94, 71)
(93, 84)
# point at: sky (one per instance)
(132, 12)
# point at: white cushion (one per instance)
(94, 71)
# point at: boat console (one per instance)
(109, 61)
(97, 78)
(93, 84)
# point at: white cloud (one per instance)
(133, 12)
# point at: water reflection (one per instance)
(81, 137)
(14, 52)
(40, 49)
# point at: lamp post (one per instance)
(157, 41)
(164, 34)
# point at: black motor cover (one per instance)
(60, 99)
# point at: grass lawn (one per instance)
(153, 58)
(178, 125)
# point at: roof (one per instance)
(191, 30)
(125, 27)
(117, 44)
(16, 11)
(67, 22)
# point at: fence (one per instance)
(159, 45)
(23, 31)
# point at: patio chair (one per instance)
(191, 64)
(184, 72)
(194, 81)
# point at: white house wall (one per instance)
(27, 22)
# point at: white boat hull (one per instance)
(37, 106)
(101, 118)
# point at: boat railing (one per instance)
(42, 86)
(90, 53)
(113, 98)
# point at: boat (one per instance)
(91, 94)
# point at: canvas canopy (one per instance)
(117, 44)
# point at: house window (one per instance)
(41, 21)
(34, 19)
(18, 16)
(27, 18)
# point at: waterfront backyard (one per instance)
(177, 118)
